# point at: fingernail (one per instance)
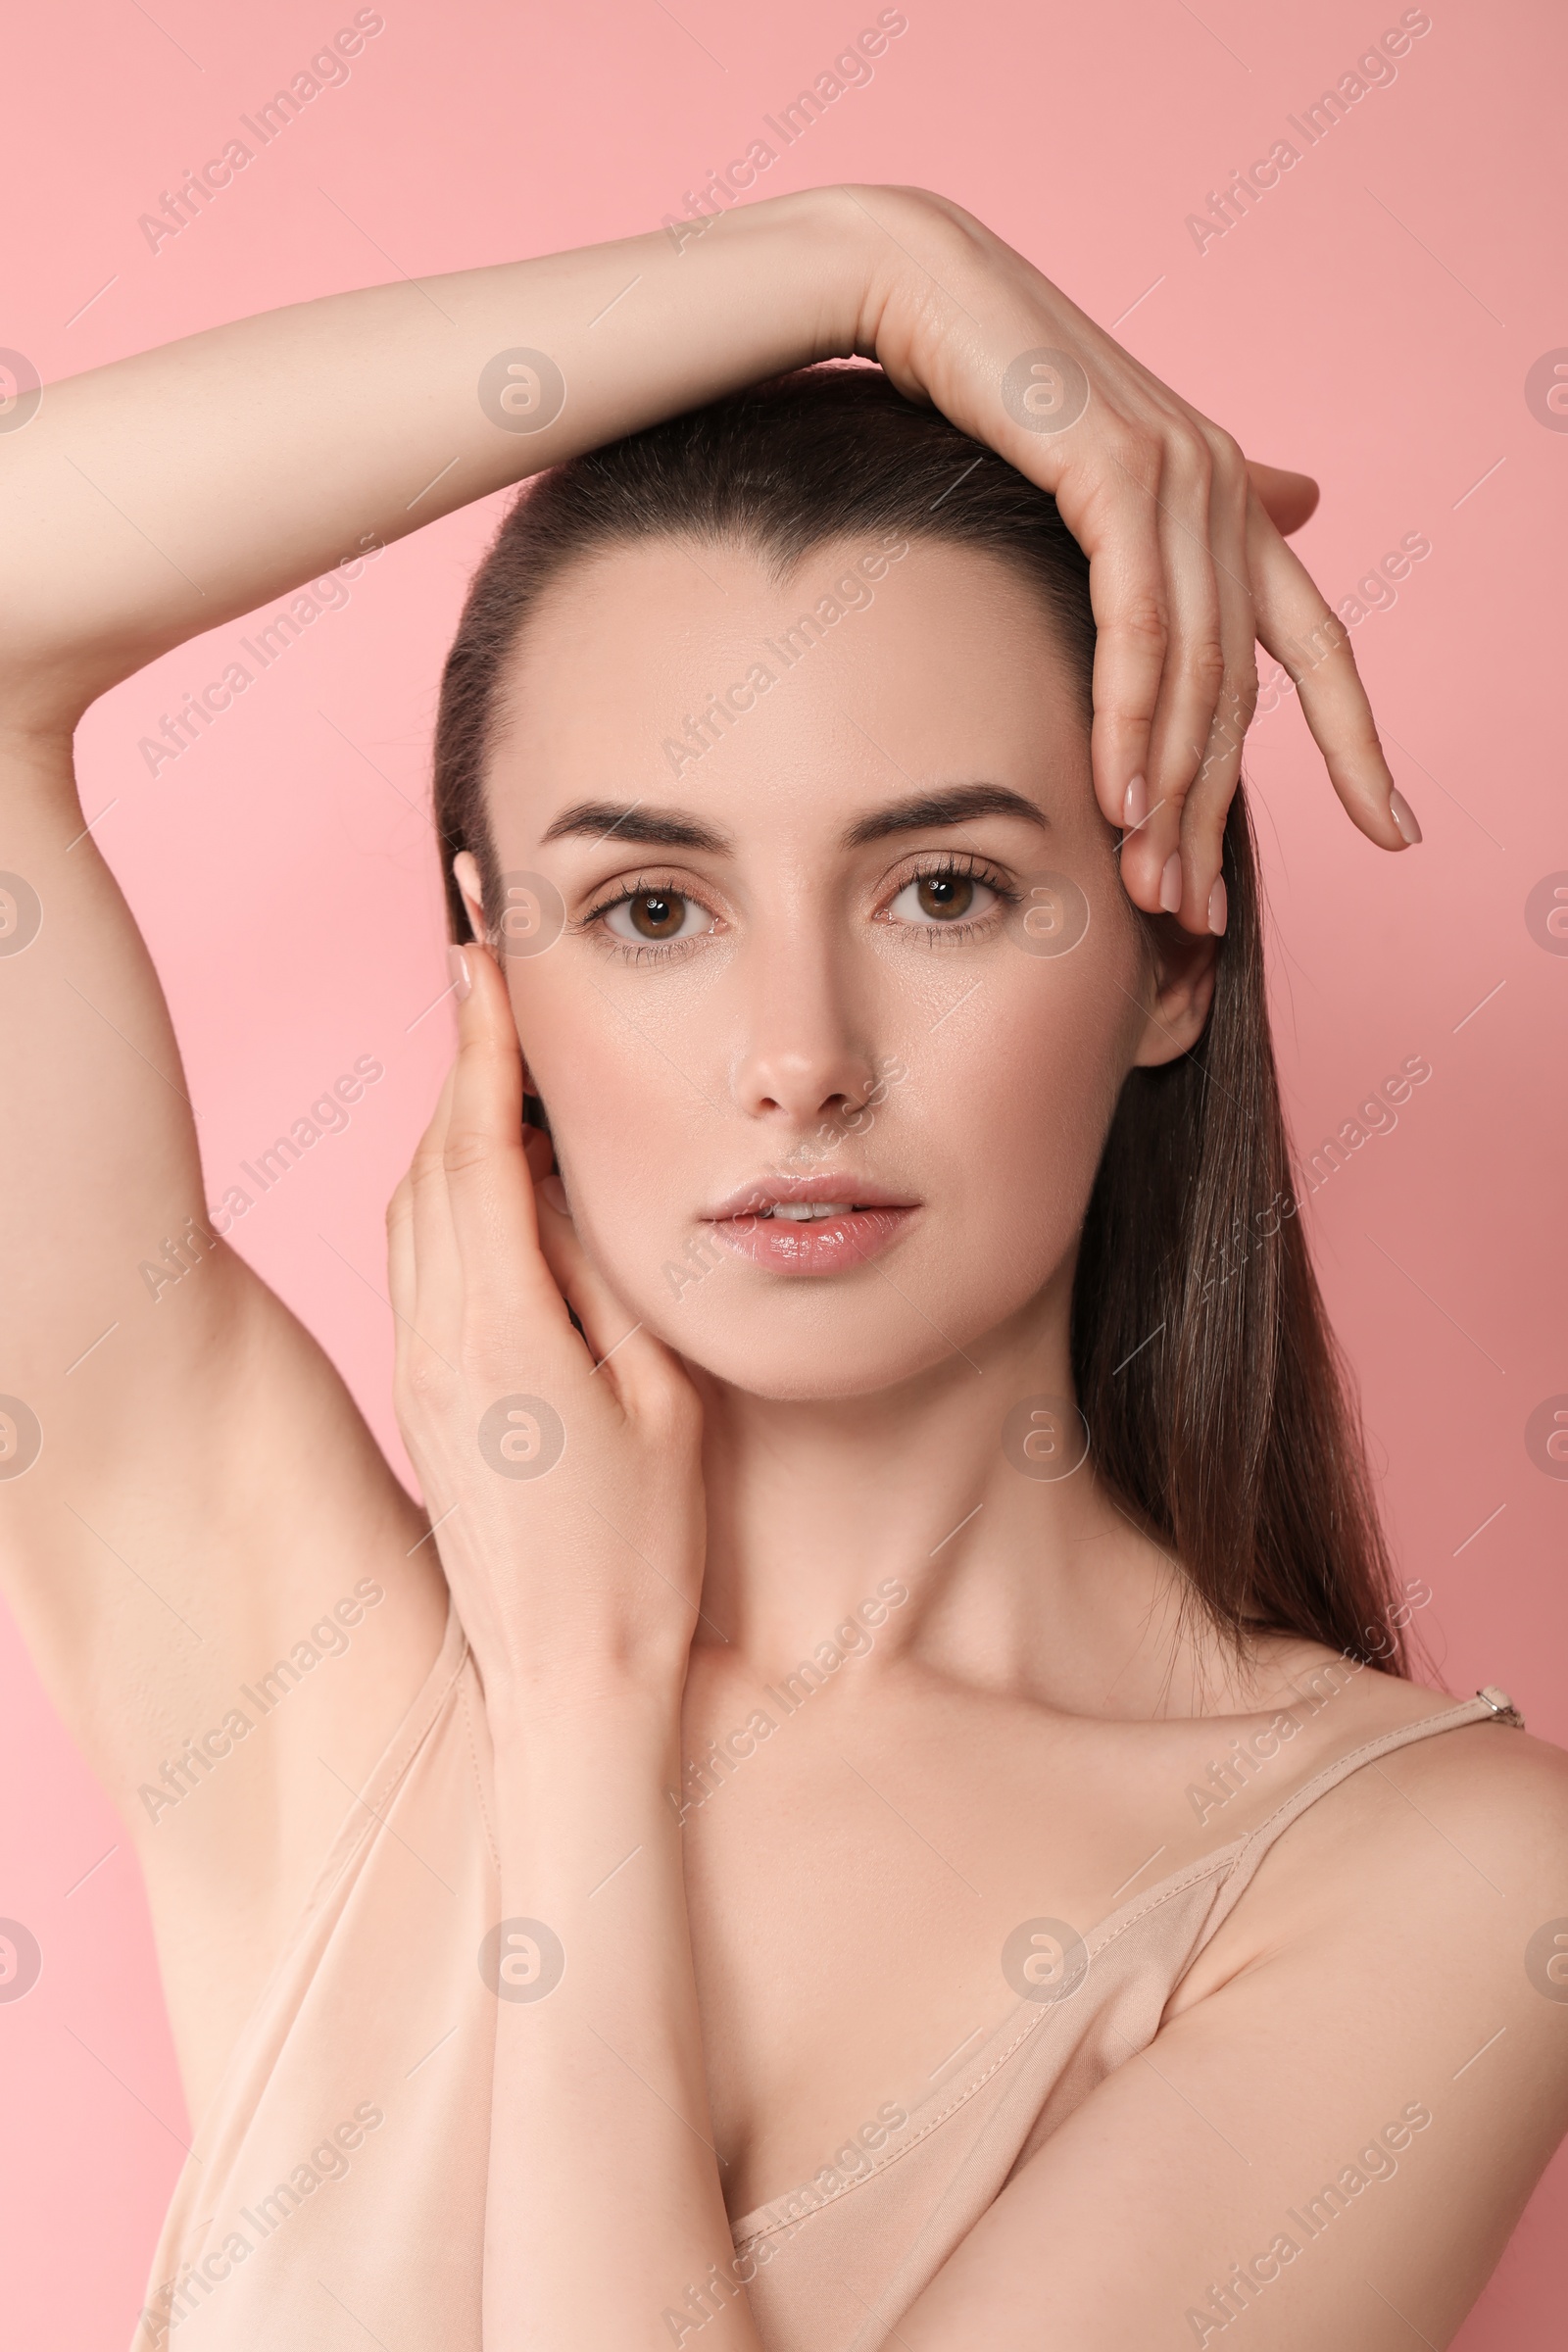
(1403, 816)
(1170, 883)
(1135, 808)
(553, 1190)
(1218, 908)
(458, 966)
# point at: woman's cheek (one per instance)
(627, 1162)
(1027, 1171)
(1039, 1078)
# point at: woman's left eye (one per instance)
(937, 898)
(650, 918)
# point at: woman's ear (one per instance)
(465, 871)
(1184, 965)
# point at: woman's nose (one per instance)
(803, 1061)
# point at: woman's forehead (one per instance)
(666, 670)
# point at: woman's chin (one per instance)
(848, 1355)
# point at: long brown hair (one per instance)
(1216, 1400)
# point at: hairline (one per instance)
(603, 544)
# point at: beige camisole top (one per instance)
(334, 2196)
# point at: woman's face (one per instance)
(830, 1005)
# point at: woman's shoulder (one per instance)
(1487, 1778)
(1492, 1789)
(1453, 1840)
(1400, 1950)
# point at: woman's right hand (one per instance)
(559, 1461)
(1188, 568)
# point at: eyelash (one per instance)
(955, 864)
(651, 950)
(958, 865)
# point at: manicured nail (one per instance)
(1403, 816)
(1135, 808)
(458, 966)
(1170, 883)
(1218, 910)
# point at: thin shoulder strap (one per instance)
(1490, 1705)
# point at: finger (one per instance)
(1314, 647)
(1288, 499)
(488, 1184)
(1202, 906)
(400, 1262)
(643, 1372)
(1107, 498)
(1195, 665)
(432, 1245)
(618, 1344)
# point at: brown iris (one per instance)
(945, 896)
(658, 913)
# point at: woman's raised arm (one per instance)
(168, 493)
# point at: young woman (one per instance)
(873, 1800)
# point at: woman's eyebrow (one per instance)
(928, 809)
(635, 821)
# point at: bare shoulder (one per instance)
(1445, 1857)
(1355, 2088)
(1494, 1776)
(1494, 1801)
(1487, 1789)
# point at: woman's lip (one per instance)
(766, 1191)
(817, 1245)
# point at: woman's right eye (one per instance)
(936, 901)
(654, 917)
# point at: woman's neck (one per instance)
(1024, 1575)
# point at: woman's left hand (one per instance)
(561, 1472)
(1187, 566)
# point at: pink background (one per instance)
(1372, 321)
